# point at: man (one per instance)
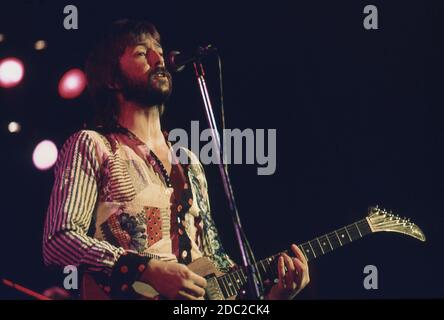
(120, 208)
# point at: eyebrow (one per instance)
(143, 44)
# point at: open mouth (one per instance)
(160, 74)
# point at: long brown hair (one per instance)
(103, 68)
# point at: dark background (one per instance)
(359, 118)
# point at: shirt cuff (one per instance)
(127, 270)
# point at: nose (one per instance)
(155, 59)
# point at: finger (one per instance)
(194, 290)
(300, 271)
(290, 275)
(198, 280)
(281, 272)
(298, 253)
(288, 263)
(300, 256)
(182, 295)
(303, 275)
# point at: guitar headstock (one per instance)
(380, 220)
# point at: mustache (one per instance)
(160, 70)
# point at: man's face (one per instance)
(144, 77)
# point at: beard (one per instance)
(155, 91)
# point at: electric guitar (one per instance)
(226, 286)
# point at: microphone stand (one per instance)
(253, 276)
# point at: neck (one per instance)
(144, 122)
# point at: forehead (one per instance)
(144, 39)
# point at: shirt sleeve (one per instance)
(71, 208)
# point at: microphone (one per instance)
(176, 61)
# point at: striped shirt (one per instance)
(107, 200)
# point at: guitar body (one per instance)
(204, 267)
(90, 290)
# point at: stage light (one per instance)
(2, 37)
(72, 84)
(40, 45)
(14, 127)
(11, 72)
(45, 155)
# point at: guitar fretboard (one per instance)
(233, 281)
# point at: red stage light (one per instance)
(11, 72)
(72, 84)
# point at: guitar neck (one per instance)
(231, 282)
(328, 242)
